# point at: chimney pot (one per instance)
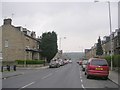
(7, 21)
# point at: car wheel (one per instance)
(82, 69)
(57, 66)
(105, 78)
(88, 76)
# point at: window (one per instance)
(6, 43)
(99, 62)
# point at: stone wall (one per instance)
(13, 43)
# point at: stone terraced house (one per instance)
(18, 43)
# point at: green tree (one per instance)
(99, 49)
(48, 45)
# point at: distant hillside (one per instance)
(74, 55)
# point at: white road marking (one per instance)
(81, 80)
(82, 86)
(28, 85)
(80, 75)
(47, 76)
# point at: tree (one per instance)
(48, 45)
(99, 49)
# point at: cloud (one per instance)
(80, 22)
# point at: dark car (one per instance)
(79, 62)
(97, 67)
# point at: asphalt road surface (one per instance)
(67, 76)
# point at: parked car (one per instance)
(66, 61)
(70, 61)
(61, 62)
(97, 67)
(80, 62)
(54, 63)
(84, 64)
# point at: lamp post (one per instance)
(110, 27)
(111, 46)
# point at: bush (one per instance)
(115, 59)
(108, 58)
(30, 61)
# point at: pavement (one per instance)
(114, 76)
(19, 71)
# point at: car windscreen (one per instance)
(84, 62)
(99, 62)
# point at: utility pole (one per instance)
(111, 45)
(110, 26)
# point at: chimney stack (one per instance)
(7, 21)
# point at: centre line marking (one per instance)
(28, 84)
(47, 76)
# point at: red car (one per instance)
(79, 62)
(97, 67)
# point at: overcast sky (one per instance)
(80, 22)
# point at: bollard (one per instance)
(8, 67)
(1, 68)
(14, 67)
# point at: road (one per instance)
(68, 76)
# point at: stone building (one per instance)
(0, 40)
(106, 45)
(18, 43)
(88, 53)
(116, 41)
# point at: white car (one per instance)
(54, 63)
(70, 61)
(84, 64)
(61, 62)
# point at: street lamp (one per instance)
(60, 42)
(110, 32)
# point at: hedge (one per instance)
(30, 61)
(115, 59)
